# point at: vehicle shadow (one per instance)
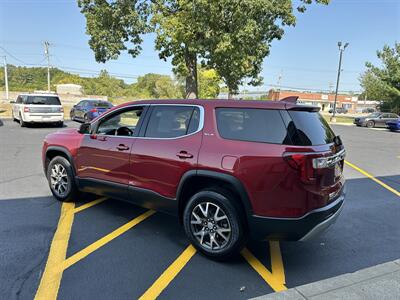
(1, 123)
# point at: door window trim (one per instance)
(145, 120)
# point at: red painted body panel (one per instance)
(273, 187)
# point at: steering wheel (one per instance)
(124, 131)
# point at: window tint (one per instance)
(312, 128)
(43, 100)
(102, 104)
(121, 124)
(19, 99)
(253, 125)
(172, 121)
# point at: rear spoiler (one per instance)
(295, 106)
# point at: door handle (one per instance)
(122, 147)
(184, 155)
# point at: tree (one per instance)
(231, 36)
(388, 74)
(209, 83)
(373, 87)
(156, 86)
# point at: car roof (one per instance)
(38, 94)
(222, 103)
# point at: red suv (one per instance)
(228, 169)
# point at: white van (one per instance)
(38, 108)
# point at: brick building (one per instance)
(324, 101)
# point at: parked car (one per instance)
(228, 169)
(87, 110)
(377, 119)
(393, 125)
(37, 108)
(339, 110)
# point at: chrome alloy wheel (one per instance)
(59, 179)
(210, 225)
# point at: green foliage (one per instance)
(155, 86)
(230, 36)
(373, 87)
(209, 83)
(148, 86)
(388, 76)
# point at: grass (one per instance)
(340, 119)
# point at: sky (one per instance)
(305, 58)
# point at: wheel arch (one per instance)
(195, 180)
(53, 151)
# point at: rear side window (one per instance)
(252, 125)
(43, 100)
(171, 121)
(312, 128)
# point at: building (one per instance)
(322, 100)
(69, 88)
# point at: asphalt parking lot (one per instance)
(115, 250)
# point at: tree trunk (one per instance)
(191, 79)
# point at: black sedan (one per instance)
(377, 119)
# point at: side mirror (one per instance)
(12, 102)
(84, 128)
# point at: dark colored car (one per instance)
(377, 119)
(339, 110)
(228, 169)
(393, 125)
(87, 110)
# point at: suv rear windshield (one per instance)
(301, 128)
(44, 100)
(312, 128)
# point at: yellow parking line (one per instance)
(90, 204)
(104, 240)
(169, 274)
(51, 278)
(273, 281)
(397, 193)
(276, 261)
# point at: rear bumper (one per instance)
(44, 118)
(297, 229)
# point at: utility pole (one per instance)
(46, 53)
(341, 49)
(6, 76)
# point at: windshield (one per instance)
(312, 128)
(43, 100)
(374, 115)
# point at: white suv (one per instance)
(38, 108)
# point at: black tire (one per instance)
(235, 239)
(370, 124)
(71, 193)
(21, 122)
(72, 116)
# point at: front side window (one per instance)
(121, 124)
(171, 121)
(252, 125)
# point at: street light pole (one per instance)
(46, 52)
(341, 49)
(6, 76)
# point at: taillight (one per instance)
(26, 109)
(61, 109)
(93, 110)
(303, 163)
(309, 163)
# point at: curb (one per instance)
(377, 282)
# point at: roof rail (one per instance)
(290, 99)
